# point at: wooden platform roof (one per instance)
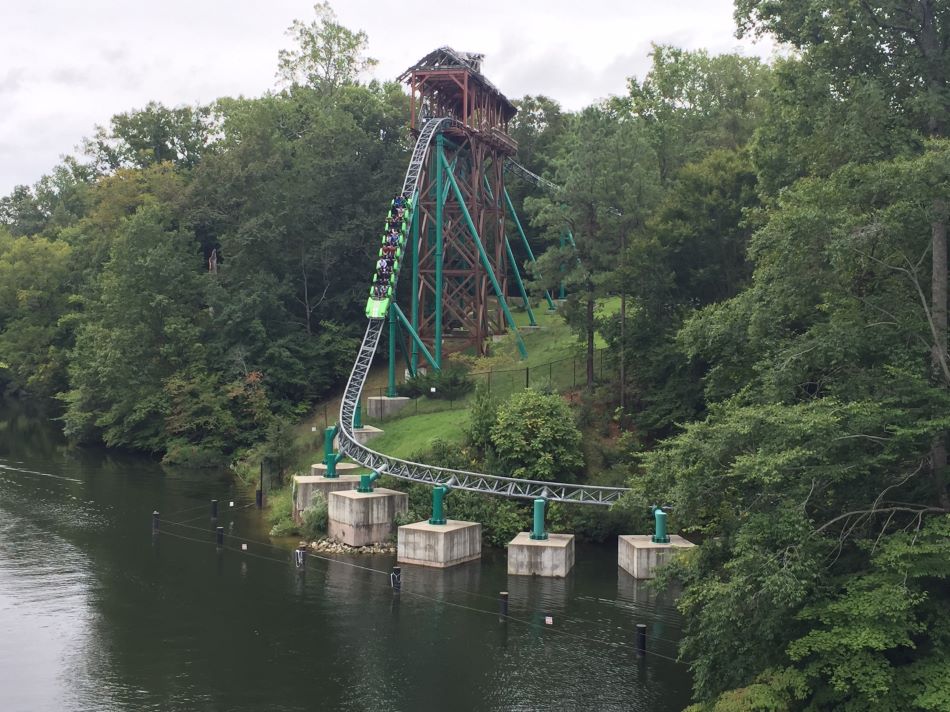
(446, 58)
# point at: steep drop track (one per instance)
(417, 472)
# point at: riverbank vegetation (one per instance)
(762, 247)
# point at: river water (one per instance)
(96, 613)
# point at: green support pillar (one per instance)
(334, 458)
(414, 232)
(486, 263)
(524, 293)
(438, 499)
(537, 532)
(328, 435)
(659, 535)
(439, 202)
(562, 294)
(358, 416)
(366, 482)
(524, 241)
(391, 382)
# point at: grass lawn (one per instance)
(404, 437)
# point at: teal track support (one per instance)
(485, 261)
(416, 341)
(659, 535)
(562, 294)
(391, 381)
(331, 465)
(440, 164)
(438, 499)
(524, 293)
(366, 482)
(328, 435)
(414, 313)
(524, 241)
(358, 416)
(537, 531)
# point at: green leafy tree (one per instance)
(326, 55)
(536, 438)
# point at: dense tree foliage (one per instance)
(774, 235)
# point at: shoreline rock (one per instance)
(326, 545)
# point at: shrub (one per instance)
(450, 383)
(314, 517)
(280, 513)
(535, 436)
(482, 416)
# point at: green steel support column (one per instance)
(366, 482)
(328, 436)
(414, 232)
(561, 293)
(439, 202)
(415, 337)
(524, 241)
(524, 293)
(659, 535)
(438, 497)
(537, 532)
(358, 416)
(487, 264)
(391, 383)
(401, 343)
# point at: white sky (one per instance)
(67, 65)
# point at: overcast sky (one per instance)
(67, 65)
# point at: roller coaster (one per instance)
(474, 112)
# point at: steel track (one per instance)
(510, 487)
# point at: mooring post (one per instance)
(219, 536)
(300, 556)
(395, 579)
(259, 494)
(641, 640)
(537, 532)
(502, 606)
(214, 509)
(155, 518)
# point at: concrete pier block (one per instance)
(439, 545)
(360, 518)
(361, 435)
(382, 407)
(640, 557)
(553, 556)
(318, 469)
(306, 485)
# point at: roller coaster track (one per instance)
(510, 487)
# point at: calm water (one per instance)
(96, 615)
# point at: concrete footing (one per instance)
(640, 557)
(342, 468)
(361, 435)
(306, 485)
(384, 406)
(361, 518)
(553, 556)
(439, 545)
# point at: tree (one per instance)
(327, 55)
(903, 47)
(536, 437)
(153, 135)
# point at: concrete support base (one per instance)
(361, 518)
(439, 545)
(361, 435)
(306, 485)
(553, 556)
(384, 406)
(640, 557)
(342, 468)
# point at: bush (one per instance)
(535, 436)
(451, 383)
(280, 513)
(314, 517)
(482, 416)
